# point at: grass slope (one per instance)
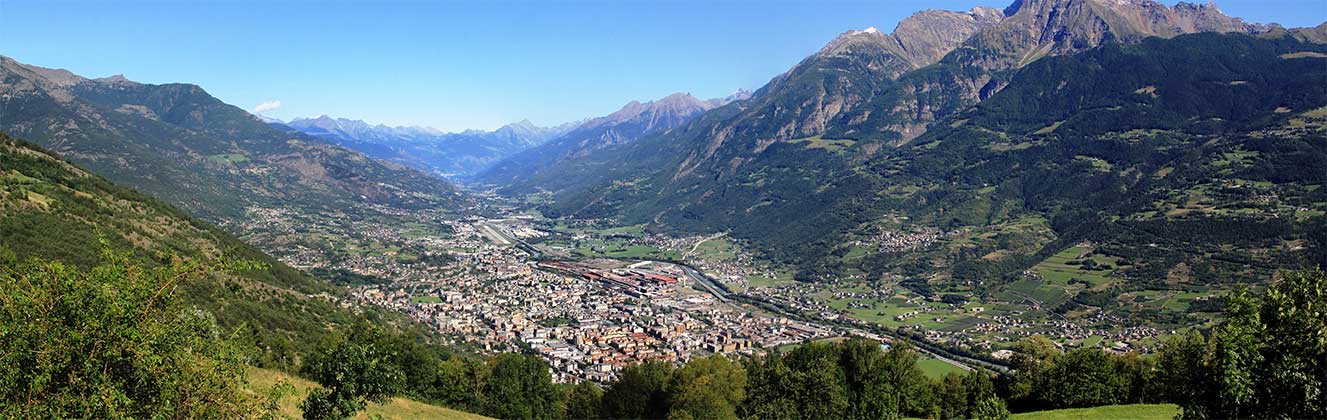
(937, 369)
(1131, 412)
(261, 380)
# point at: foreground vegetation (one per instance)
(51, 209)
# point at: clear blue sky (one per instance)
(462, 64)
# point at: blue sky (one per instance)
(462, 64)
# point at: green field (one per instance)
(937, 369)
(715, 249)
(425, 299)
(780, 277)
(1129, 412)
(261, 380)
(1057, 270)
(228, 158)
(817, 142)
(613, 249)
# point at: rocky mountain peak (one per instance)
(679, 98)
(919, 40)
(739, 95)
(926, 36)
(1036, 28)
(843, 42)
(115, 80)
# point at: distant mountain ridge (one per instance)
(180, 144)
(632, 121)
(458, 154)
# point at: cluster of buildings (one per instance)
(899, 241)
(588, 319)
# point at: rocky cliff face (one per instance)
(1036, 28)
(1031, 29)
(927, 36)
(853, 68)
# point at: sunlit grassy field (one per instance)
(261, 380)
(1126, 412)
(937, 369)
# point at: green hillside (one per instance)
(180, 144)
(1166, 138)
(51, 209)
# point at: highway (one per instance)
(719, 293)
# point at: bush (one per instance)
(116, 342)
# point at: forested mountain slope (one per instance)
(866, 91)
(53, 210)
(1167, 139)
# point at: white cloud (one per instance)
(266, 106)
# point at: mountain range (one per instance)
(631, 122)
(802, 167)
(178, 143)
(445, 154)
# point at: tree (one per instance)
(460, 382)
(585, 401)
(819, 388)
(769, 383)
(1266, 360)
(1294, 318)
(117, 342)
(707, 388)
(520, 387)
(903, 378)
(1032, 357)
(353, 371)
(1183, 375)
(969, 396)
(991, 408)
(1137, 378)
(1084, 377)
(1237, 352)
(871, 394)
(640, 392)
